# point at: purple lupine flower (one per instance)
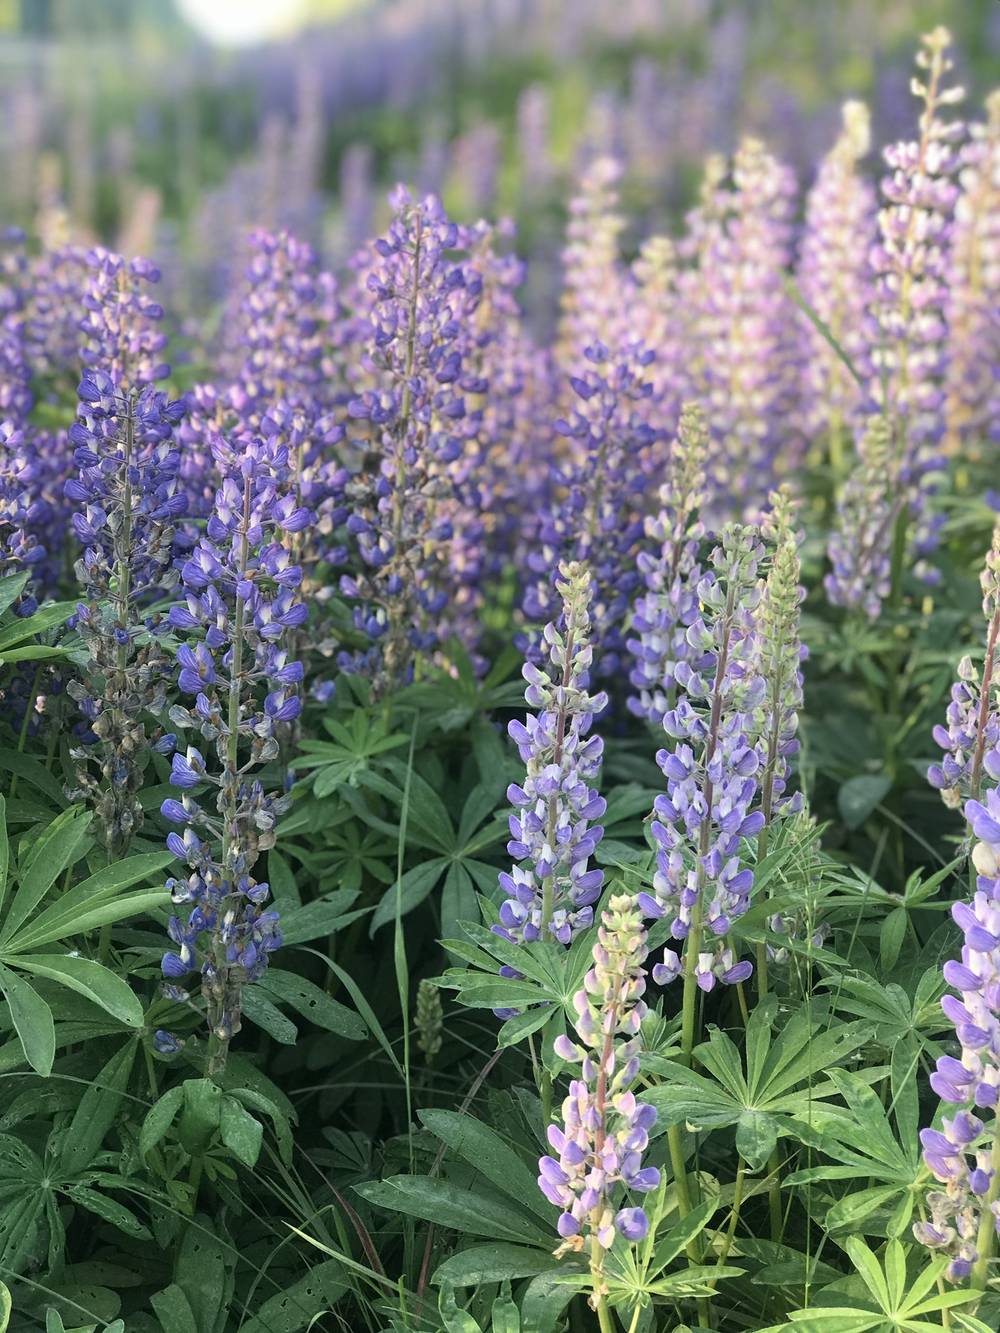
(712, 769)
(910, 261)
(552, 887)
(242, 601)
(962, 1156)
(663, 613)
(121, 321)
(57, 282)
(16, 397)
(747, 336)
(404, 499)
(605, 1129)
(860, 544)
(971, 738)
(835, 278)
(974, 289)
(595, 297)
(657, 320)
(595, 515)
(127, 502)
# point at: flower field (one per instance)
(500, 726)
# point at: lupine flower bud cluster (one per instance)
(605, 1129)
(962, 1156)
(835, 279)
(712, 766)
(552, 888)
(594, 299)
(860, 543)
(671, 571)
(910, 260)
(127, 492)
(241, 600)
(121, 320)
(971, 738)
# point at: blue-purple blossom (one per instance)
(552, 887)
(712, 769)
(605, 1129)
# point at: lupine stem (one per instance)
(986, 1237)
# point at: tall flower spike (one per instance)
(835, 278)
(781, 665)
(595, 284)
(971, 737)
(241, 601)
(664, 612)
(605, 1130)
(121, 320)
(551, 888)
(964, 1156)
(402, 518)
(712, 770)
(860, 544)
(974, 289)
(910, 261)
(126, 490)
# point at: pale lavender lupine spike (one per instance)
(605, 1130)
(552, 887)
(859, 547)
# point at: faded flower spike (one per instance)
(860, 545)
(605, 1129)
(972, 734)
(552, 890)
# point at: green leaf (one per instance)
(756, 1136)
(413, 888)
(159, 1118)
(174, 1311)
(63, 916)
(94, 981)
(454, 1319)
(481, 1264)
(96, 1112)
(891, 936)
(323, 916)
(493, 1157)
(32, 1019)
(109, 1210)
(6, 1306)
(268, 1017)
(451, 1206)
(26, 627)
(312, 1003)
(298, 1306)
(58, 847)
(241, 1132)
(11, 587)
(199, 1117)
(859, 796)
(4, 854)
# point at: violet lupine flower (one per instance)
(16, 398)
(121, 322)
(748, 333)
(128, 501)
(835, 278)
(402, 498)
(596, 514)
(664, 612)
(974, 289)
(552, 889)
(712, 770)
(860, 543)
(22, 512)
(971, 738)
(241, 600)
(963, 1155)
(596, 285)
(605, 1129)
(910, 261)
(657, 320)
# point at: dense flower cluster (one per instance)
(605, 1129)
(241, 600)
(835, 279)
(712, 768)
(552, 889)
(594, 300)
(121, 321)
(910, 261)
(971, 737)
(860, 543)
(128, 502)
(671, 571)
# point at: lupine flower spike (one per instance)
(972, 734)
(663, 613)
(241, 601)
(605, 1129)
(860, 544)
(552, 888)
(712, 768)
